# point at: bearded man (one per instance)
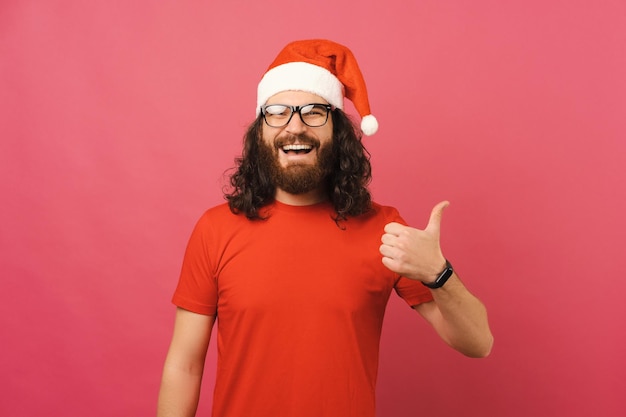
(292, 268)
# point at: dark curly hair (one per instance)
(346, 186)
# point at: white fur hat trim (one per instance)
(300, 76)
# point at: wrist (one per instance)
(441, 278)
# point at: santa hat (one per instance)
(320, 67)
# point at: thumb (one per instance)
(434, 223)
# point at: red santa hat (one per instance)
(320, 67)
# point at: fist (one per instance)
(415, 253)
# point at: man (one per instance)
(297, 268)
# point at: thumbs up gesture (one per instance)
(415, 253)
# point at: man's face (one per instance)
(299, 157)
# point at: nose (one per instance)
(296, 125)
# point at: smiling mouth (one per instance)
(296, 149)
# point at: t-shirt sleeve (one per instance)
(197, 287)
(413, 292)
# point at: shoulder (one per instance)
(219, 211)
(217, 225)
(387, 213)
(378, 216)
(383, 210)
(220, 215)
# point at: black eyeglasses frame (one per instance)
(297, 109)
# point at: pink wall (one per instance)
(118, 118)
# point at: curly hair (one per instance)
(346, 186)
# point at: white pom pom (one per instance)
(369, 125)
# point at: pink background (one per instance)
(118, 119)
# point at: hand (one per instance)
(415, 253)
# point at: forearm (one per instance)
(179, 392)
(461, 319)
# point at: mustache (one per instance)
(301, 139)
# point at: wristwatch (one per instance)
(442, 278)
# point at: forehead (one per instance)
(295, 98)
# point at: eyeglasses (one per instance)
(312, 115)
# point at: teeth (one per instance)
(296, 147)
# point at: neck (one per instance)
(305, 199)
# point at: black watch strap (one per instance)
(442, 278)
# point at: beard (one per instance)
(297, 178)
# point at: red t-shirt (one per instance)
(299, 304)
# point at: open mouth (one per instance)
(297, 149)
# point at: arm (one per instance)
(184, 365)
(457, 316)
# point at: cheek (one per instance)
(267, 134)
(327, 135)
(327, 141)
